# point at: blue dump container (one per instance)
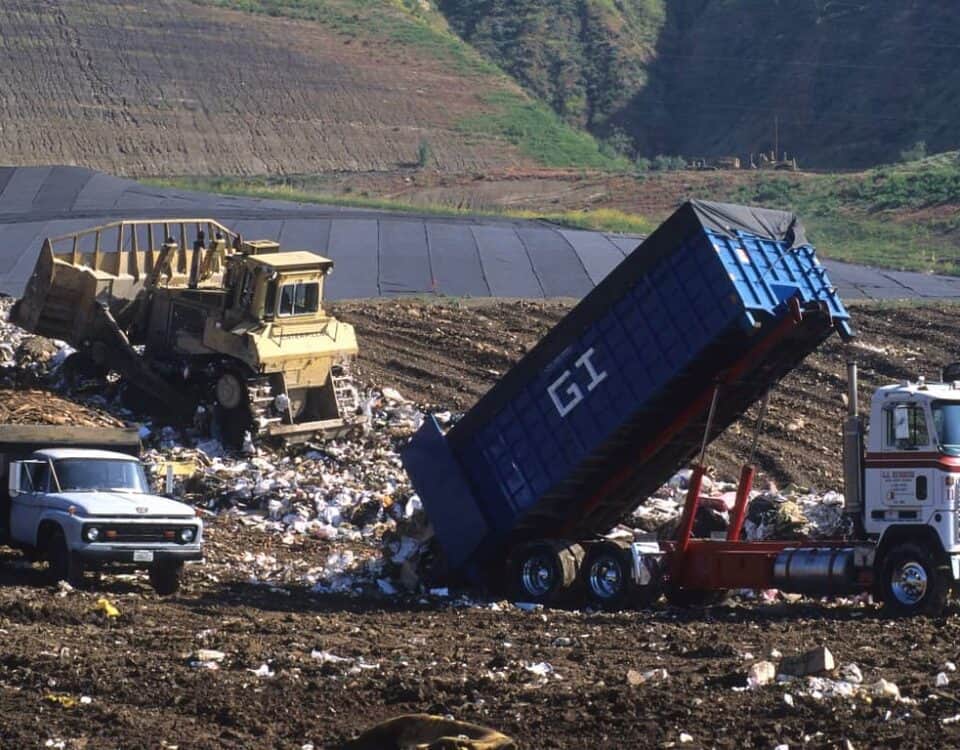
(615, 398)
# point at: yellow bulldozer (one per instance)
(217, 326)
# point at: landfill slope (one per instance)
(174, 88)
(306, 624)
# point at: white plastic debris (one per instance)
(262, 671)
(540, 669)
(942, 680)
(761, 673)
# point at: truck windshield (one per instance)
(91, 475)
(946, 421)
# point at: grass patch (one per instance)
(540, 134)
(605, 220)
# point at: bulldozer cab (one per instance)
(285, 288)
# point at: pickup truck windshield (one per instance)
(946, 421)
(92, 475)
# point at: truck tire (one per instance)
(544, 572)
(607, 574)
(914, 582)
(62, 564)
(165, 578)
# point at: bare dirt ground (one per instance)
(411, 655)
(653, 196)
(180, 88)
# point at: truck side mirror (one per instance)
(901, 422)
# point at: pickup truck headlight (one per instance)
(187, 534)
(91, 534)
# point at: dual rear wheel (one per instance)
(598, 574)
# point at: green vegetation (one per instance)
(603, 219)
(541, 134)
(886, 216)
(584, 58)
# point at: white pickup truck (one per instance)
(82, 507)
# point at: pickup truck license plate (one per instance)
(143, 555)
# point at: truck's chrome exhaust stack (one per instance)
(853, 448)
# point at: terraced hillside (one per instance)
(176, 87)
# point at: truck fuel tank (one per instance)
(817, 570)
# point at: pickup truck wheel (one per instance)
(165, 579)
(544, 572)
(62, 564)
(914, 582)
(607, 575)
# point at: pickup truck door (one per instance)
(27, 507)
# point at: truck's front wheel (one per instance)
(914, 582)
(62, 564)
(165, 578)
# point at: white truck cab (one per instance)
(86, 508)
(912, 462)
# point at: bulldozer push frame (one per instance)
(215, 327)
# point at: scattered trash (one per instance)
(262, 671)
(851, 673)
(884, 689)
(107, 607)
(541, 669)
(761, 673)
(812, 662)
(942, 680)
(67, 701)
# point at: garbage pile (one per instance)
(24, 358)
(791, 513)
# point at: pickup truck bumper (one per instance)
(125, 556)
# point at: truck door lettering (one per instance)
(573, 393)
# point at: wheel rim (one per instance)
(605, 578)
(909, 583)
(538, 576)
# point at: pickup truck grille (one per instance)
(134, 532)
(137, 533)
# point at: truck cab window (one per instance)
(299, 298)
(946, 424)
(906, 427)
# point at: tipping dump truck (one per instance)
(232, 324)
(78, 498)
(694, 326)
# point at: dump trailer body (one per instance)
(615, 398)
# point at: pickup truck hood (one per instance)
(120, 504)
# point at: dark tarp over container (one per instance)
(614, 399)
